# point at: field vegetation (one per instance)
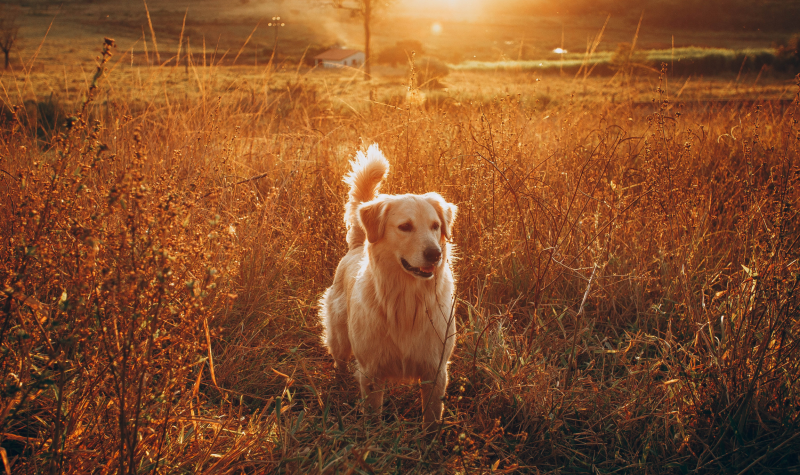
(628, 270)
(683, 61)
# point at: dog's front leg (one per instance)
(432, 393)
(371, 392)
(341, 370)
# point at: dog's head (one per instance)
(412, 228)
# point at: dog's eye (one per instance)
(435, 226)
(406, 227)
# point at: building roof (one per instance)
(336, 54)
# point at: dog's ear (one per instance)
(372, 217)
(446, 211)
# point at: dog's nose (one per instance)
(432, 254)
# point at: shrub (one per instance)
(429, 71)
(400, 53)
(109, 298)
(788, 54)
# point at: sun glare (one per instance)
(452, 10)
(436, 28)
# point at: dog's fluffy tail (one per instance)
(365, 177)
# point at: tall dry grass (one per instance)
(627, 281)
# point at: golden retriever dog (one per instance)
(391, 304)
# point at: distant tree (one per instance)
(411, 45)
(9, 30)
(366, 9)
(400, 52)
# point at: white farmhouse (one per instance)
(339, 58)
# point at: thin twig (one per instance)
(572, 364)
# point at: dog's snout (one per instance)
(432, 254)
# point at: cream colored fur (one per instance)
(391, 306)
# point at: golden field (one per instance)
(627, 270)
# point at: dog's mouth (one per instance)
(424, 272)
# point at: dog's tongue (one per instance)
(428, 269)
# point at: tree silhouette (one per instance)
(366, 10)
(9, 30)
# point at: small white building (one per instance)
(339, 58)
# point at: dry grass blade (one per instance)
(152, 32)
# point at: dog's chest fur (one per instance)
(414, 311)
(411, 318)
